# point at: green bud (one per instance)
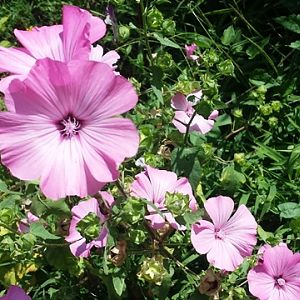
(164, 60)
(89, 227)
(208, 149)
(276, 105)
(169, 27)
(226, 67)
(273, 121)
(261, 89)
(155, 18)
(239, 158)
(238, 113)
(177, 203)
(6, 215)
(133, 210)
(266, 109)
(153, 270)
(124, 32)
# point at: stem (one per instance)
(188, 127)
(145, 29)
(120, 188)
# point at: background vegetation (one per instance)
(249, 69)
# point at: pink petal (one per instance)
(169, 217)
(32, 218)
(203, 236)
(260, 283)
(26, 144)
(162, 181)
(224, 255)
(110, 58)
(142, 187)
(97, 29)
(180, 121)
(4, 84)
(108, 199)
(156, 221)
(197, 97)
(81, 248)
(74, 235)
(179, 102)
(240, 231)
(101, 241)
(85, 207)
(202, 125)
(105, 137)
(219, 209)
(76, 28)
(274, 266)
(15, 61)
(213, 115)
(15, 293)
(183, 186)
(43, 42)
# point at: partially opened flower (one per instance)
(71, 40)
(15, 293)
(87, 228)
(226, 240)
(186, 117)
(277, 277)
(64, 131)
(24, 224)
(170, 195)
(190, 50)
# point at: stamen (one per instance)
(71, 126)
(280, 281)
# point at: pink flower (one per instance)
(185, 111)
(71, 40)
(87, 214)
(278, 276)
(154, 186)
(189, 50)
(64, 131)
(226, 240)
(15, 293)
(24, 224)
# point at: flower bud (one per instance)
(273, 121)
(89, 227)
(276, 105)
(124, 32)
(154, 18)
(239, 158)
(133, 210)
(266, 109)
(177, 203)
(153, 270)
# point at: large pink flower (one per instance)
(71, 40)
(15, 293)
(153, 185)
(79, 245)
(278, 276)
(185, 112)
(64, 131)
(226, 240)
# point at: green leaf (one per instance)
(46, 206)
(291, 22)
(39, 230)
(165, 41)
(264, 235)
(289, 210)
(119, 284)
(295, 45)
(186, 162)
(229, 36)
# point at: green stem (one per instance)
(145, 30)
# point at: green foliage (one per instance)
(248, 69)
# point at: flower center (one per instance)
(280, 281)
(219, 234)
(70, 126)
